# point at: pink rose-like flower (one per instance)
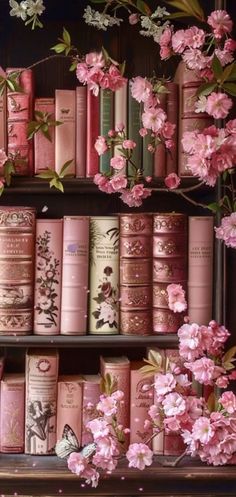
(135, 196)
(143, 132)
(118, 182)
(82, 72)
(141, 89)
(176, 298)
(178, 41)
(218, 105)
(220, 22)
(164, 383)
(190, 345)
(129, 144)
(222, 381)
(172, 181)
(227, 230)
(173, 404)
(133, 19)
(118, 162)
(98, 427)
(76, 463)
(95, 59)
(139, 455)
(154, 118)
(101, 145)
(204, 370)
(228, 401)
(202, 430)
(194, 37)
(165, 37)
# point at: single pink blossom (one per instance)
(220, 22)
(154, 118)
(139, 455)
(222, 382)
(176, 298)
(98, 427)
(204, 370)
(165, 52)
(172, 181)
(118, 182)
(95, 59)
(228, 401)
(141, 89)
(218, 105)
(227, 230)
(133, 19)
(164, 383)
(195, 59)
(143, 132)
(165, 37)
(194, 37)
(178, 41)
(76, 463)
(118, 162)
(82, 72)
(202, 430)
(101, 145)
(128, 144)
(173, 404)
(107, 405)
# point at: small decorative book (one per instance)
(17, 238)
(69, 404)
(81, 131)
(12, 413)
(41, 399)
(44, 149)
(65, 133)
(48, 262)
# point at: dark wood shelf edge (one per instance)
(88, 341)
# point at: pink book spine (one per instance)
(75, 275)
(160, 153)
(3, 117)
(41, 400)
(91, 395)
(92, 159)
(26, 81)
(172, 106)
(120, 110)
(44, 149)
(119, 369)
(81, 130)
(200, 269)
(12, 416)
(141, 400)
(69, 405)
(65, 133)
(48, 263)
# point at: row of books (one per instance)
(36, 406)
(103, 275)
(84, 117)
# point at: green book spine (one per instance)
(134, 125)
(106, 123)
(148, 157)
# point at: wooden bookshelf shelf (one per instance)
(89, 341)
(19, 473)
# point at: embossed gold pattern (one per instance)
(11, 217)
(169, 223)
(16, 323)
(133, 224)
(136, 324)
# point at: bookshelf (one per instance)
(48, 475)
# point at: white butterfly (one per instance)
(69, 443)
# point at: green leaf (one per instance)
(206, 88)
(211, 402)
(66, 36)
(73, 66)
(10, 85)
(214, 207)
(230, 88)
(227, 72)
(177, 15)
(9, 169)
(143, 7)
(192, 7)
(59, 48)
(228, 356)
(217, 68)
(105, 54)
(48, 174)
(232, 76)
(46, 133)
(57, 184)
(64, 167)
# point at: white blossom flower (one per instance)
(35, 7)
(100, 20)
(18, 9)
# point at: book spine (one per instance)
(44, 149)
(200, 269)
(135, 274)
(91, 395)
(41, 397)
(173, 444)
(120, 372)
(134, 125)
(104, 275)
(17, 234)
(20, 112)
(148, 157)
(172, 108)
(169, 241)
(75, 275)
(69, 405)
(65, 133)
(12, 416)
(48, 263)
(3, 117)
(81, 131)
(160, 153)
(106, 124)
(120, 110)
(141, 400)
(92, 158)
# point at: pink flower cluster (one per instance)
(98, 72)
(176, 298)
(227, 230)
(211, 152)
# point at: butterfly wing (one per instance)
(88, 450)
(68, 443)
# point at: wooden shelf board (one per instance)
(88, 341)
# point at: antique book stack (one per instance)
(135, 274)
(169, 266)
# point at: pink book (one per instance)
(44, 150)
(48, 263)
(12, 415)
(92, 159)
(119, 369)
(75, 275)
(3, 117)
(91, 395)
(41, 399)
(65, 133)
(69, 405)
(200, 269)
(81, 131)
(141, 400)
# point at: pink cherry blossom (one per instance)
(95, 59)
(164, 383)
(173, 404)
(107, 447)
(227, 230)
(143, 132)
(195, 59)
(172, 181)
(228, 401)
(129, 144)
(202, 430)
(107, 405)
(176, 298)
(77, 463)
(98, 427)
(141, 89)
(178, 41)
(222, 382)
(154, 118)
(133, 19)
(220, 22)
(190, 346)
(118, 162)
(139, 456)
(101, 145)
(218, 105)
(194, 37)
(82, 72)
(204, 370)
(118, 182)
(165, 52)
(225, 57)
(165, 37)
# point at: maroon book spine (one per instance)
(169, 243)
(160, 153)
(172, 108)
(81, 131)
(135, 274)
(17, 234)
(20, 112)
(92, 159)
(44, 149)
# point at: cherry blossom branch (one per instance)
(174, 463)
